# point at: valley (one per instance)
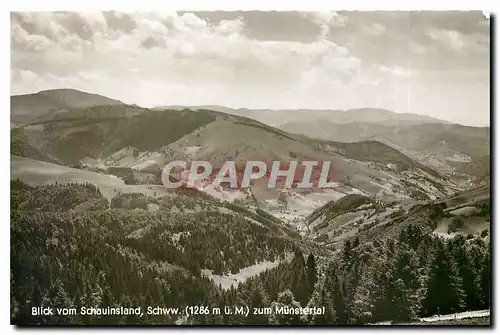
(86, 185)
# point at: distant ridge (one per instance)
(278, 117)
(29, 107)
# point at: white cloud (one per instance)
(95, 20)
(28, 42)
(165, 58)
(395, 70)
(375, 29)
(22, 80)
(456, 41)
(328, 19)
(227, 27)
(185, 49)
(189, 61)
(451, 38)
(147, 26)
(417, 48)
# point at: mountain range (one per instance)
(279, 117)
(456, 150)
(144, 140)
(92, 225)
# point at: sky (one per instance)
(431, 63)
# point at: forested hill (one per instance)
(27, 108)
(73, 248)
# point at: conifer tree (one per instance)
(285, 299)
(466, 271)
(444, 292)
(335, 290)
(324, 300)
(298, 284)
(259, 300)
(404, 285)
(484, 281)
(312, 274)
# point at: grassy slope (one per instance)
(336, 208)
(102, 130)
(380, 153)
(338, 220)
(421, 142)
(34, 172)
(98, 132)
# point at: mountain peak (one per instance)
(26, 108)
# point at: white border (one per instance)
(308, 5)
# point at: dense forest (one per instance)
(71, 247)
